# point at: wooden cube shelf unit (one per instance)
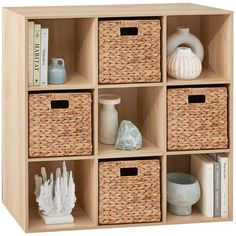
(74, 36)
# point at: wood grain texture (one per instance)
(207, 76)
(14, 148)
(74, 81)
(86, 44)
(164, 188)
(128, 108)
(231, 154)
(117, 10)
(215, 33)
(61, 40)
(82, 221)
(133, 85)
(216, 36)
(85, 184)
(109, 151)
(163, 48)
(74, 40)
(151, 115)
(190, 21)
(87, 187)
(196, 217)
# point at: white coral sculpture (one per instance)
(55, 197)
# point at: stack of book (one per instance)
(38, 54)
(212, 173)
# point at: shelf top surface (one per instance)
(116, 10)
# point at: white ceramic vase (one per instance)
(183, 36)
(108, 118)
(184, 64)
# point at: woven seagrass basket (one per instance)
(197, 118)
(129, 51)
(60, 124)
(129, 191)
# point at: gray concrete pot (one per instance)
(183, 191)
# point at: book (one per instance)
(31, 53)
(202, 168)
(37, 40)
(223, 160)
(44, 57)
(217, 185)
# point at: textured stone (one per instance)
(128, 136)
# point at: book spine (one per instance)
(37, 39)
(209, 187)
(217, 190)
(31, 52)
(44, 57)
(224, 185)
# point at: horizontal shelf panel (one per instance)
(133, 85)
(109, 151)
(197, 151)
(68, 158)
(117, 11)
(82, 221)
(74, 81)
(131, 225)
(207, 77)
(195, 217)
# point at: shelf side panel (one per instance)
(216, 36)
(14, 146)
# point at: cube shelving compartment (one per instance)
(197, 118)
(60, 124)
(129, 191)
(129, 51)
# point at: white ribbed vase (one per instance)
(184, 64)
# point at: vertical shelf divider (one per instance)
(164, 51)
(96, 114)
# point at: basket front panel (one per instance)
(60, 132)
(129, 199)
(200, 125)
(128, 59)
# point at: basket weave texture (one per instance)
(129, 199)
(63, 131)
(132, 58)
(199, 125)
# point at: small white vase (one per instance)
(183, 36)
(184, 64)
(108, 118)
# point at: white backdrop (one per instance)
(8, 226)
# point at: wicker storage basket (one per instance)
(60, 124)
(129, 191)
(197, 118)
(129, 51)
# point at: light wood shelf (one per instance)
(196, 217)
(74, 81)
(197, 152)
(82, 221)
(133, 85)
(207, 77)
(74, 37)
(69, 158)
(109, 151)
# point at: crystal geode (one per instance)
(128, 136)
